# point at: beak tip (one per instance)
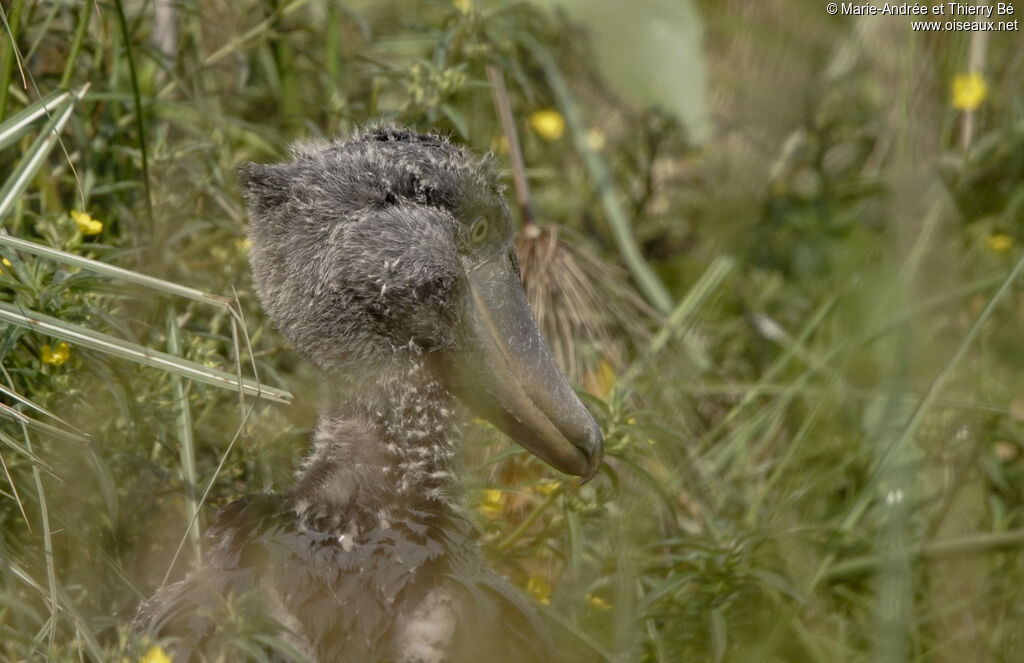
(591, 473)
(593, 449)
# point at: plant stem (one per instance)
(140, 124)
(652, 287)
(499, 94)
(76, 44)
(528, 522)
(974, 544)
(10, 53)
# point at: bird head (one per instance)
(396, 242)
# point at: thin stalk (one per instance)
(12, 24)
(41, 410)
(33, 160)
(499, 95)
(974, 544)
(186, 443)
(777, 366)
(76, 44)
(332, 47)
(106, 269)
(236, 324)
(52, 431)
(290, 101)
(580, 634)
(652, 287)
(929, 398)
(110, 345)
(239, 42)
(140, 124)
(92, 645)
(206, 491)
(975, 65)
(15, 127)
(867, 493)
(802, 434)
(709, 281)
(44, 516)
(41, 28)
(528, 522)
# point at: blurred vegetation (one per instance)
(815, 449)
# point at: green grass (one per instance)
(815, 446)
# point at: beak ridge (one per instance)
(506, 373)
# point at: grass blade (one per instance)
(133, 352)
(53, 431)
(113, 271)
(19, 124)
(186, 449)
(621, 228)
(33, 160)
(38, 408)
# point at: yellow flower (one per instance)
(999, 243)
(6, 263)
(493, 503)
(500, 144)
(969, 90)
(598, 603)
(548, 123)
(55, 356)
(539, 588)
(156, 654)
(87, 224)
(600, 380)
(547, 487)
(595, 139)
(463, 5)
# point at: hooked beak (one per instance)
(506, 374)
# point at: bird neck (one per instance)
(386, 446)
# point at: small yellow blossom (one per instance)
(598, 603)
(156, 654)
(595, 139)
(999, 243)
(969, 90)
(463, 5)
(6, 263)
(549, 124)
(57, 355)
(493, 503)
(600, 380)
(539, 588)
(500, 144)
(547, 487)
(87, 224)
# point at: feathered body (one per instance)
(360, 255)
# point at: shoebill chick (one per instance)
(387, 260)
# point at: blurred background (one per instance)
(777, 250)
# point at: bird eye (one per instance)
(479, 230)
